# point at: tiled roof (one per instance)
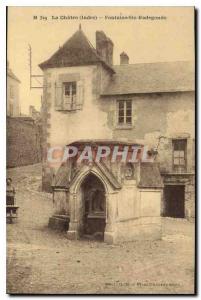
(62, 176)
(76, 51)
(12, 75)
(104, 142)
(150, 176)
(152, 78)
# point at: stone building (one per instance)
(90, 102)
(13, 102)
(23, 132)
(24, 146)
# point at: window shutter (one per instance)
(67, 104)
(58, 96)
(80, 94)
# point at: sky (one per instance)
(170, 38)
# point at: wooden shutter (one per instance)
(58, 96)
(67, 105)
(80, 94)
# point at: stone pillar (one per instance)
(60, 218)
(110, 230)
(190, 199)
(73, 233)
(61, 201)
(47, 176)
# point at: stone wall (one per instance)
(14, 99)
(132, 213)
(156, 113)
(23, 142)
(63, 127)
(190, 198)
(170, 115)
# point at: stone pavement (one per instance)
(40, 260)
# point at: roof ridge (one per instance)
(93, 48)
(60, 47)
(12, 75)
(152, 63)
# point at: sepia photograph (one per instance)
(100, 146)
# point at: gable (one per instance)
(76, 51)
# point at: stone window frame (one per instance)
(181, 167)
(69, 78)
(124, 125)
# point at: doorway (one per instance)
(174, 201)
(94, 208)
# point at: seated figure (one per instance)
(10, 192)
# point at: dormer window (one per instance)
(69, 95)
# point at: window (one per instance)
(125, 112)
(69, 95)
(179, 154)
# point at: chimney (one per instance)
(104, 47)
(124, 59)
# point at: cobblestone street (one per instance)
(40, 260)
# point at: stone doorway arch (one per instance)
(92, 213)
(77, 211)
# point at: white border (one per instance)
(101, 3)
(3, 5)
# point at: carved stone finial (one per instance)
(80, 27)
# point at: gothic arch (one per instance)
(84, 172)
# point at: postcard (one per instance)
(100, 187)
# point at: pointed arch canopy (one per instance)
(109, 182)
